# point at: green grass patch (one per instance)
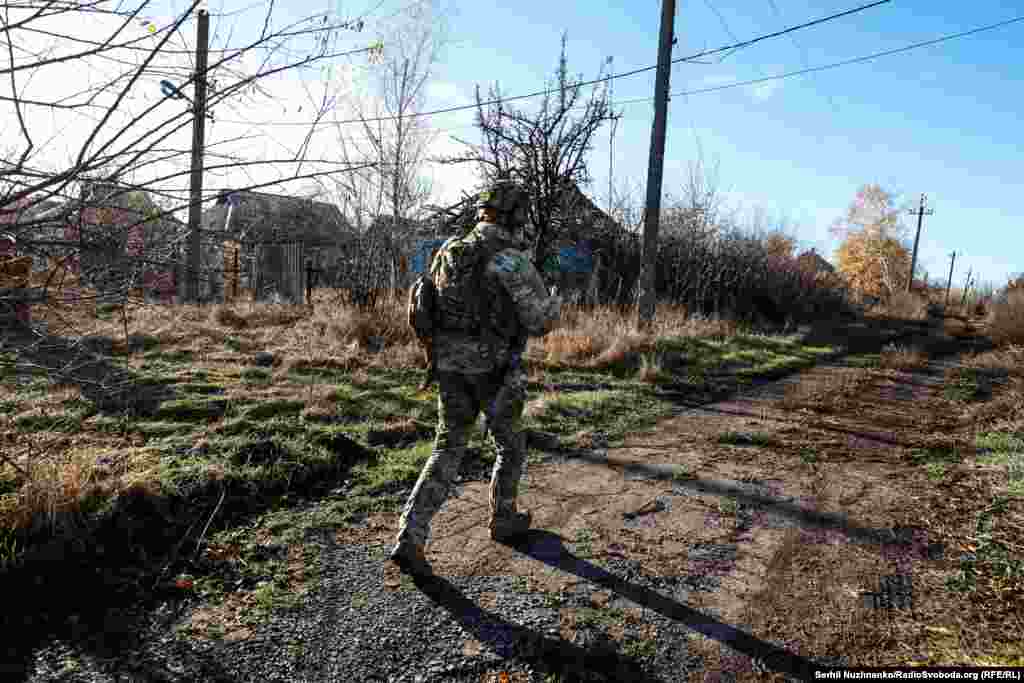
(174, 357)
(202, 388)
(191, 410)
(993, 559)
(640, 648)
(1001, 442)
(613, 412)
(160, 430)
(935, 470)
(728, 506)
(866, 361)
(315, 375)
(1007, 450)
(593, 616)
(936, 456)
(964, 385)
(808, 455)
(271, 409)
(583, 546)
(256, 376)
(395, 468)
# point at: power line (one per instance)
(684, 93)
(626, 74)
(834, 65)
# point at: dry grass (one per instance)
(908, 306)
(826, 391)
(1006, 320)
(902, 358)
(62, 472)
(605, 337)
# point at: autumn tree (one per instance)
(873, 257)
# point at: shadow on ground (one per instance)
(556, 654)
(86, 363)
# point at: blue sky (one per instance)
(943, 120)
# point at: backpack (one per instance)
(462, 302)
(422, 307)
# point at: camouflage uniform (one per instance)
(470, 377)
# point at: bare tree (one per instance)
(119, 137)
(391, 134)
(545, 151)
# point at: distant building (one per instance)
(111, 238)
(812, 261)
(261, 242)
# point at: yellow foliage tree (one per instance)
(872, 259)
(872, 265)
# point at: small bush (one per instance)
(907, 306)
(1006, 319)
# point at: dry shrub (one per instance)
(1006, 320)
(1009, 358)
(907, 306)
(956, 327)
(902, 358)
(651, 369)
(60, 479)
(603, 336)
(228, 317)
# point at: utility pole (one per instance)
(949, 282)
(611, 134)
(967, 287)
(655, 166)
(195, 204)
(921, 213)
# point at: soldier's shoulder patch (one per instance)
(509, 262)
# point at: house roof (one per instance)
(814, 260)
(590, 218)
(264, 217)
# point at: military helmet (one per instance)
(509, 199)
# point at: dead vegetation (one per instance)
(64, 460)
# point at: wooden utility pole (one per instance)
(611, 134)
(655, 166)
(920, 213)
(949, 282)
(967, 287)
(195, 204)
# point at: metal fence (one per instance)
(280, 272)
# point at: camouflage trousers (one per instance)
(461, 399)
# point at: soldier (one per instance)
(476, 350)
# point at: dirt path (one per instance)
(723, 523)
(754, 534)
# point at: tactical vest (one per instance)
(470, 301)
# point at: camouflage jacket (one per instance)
(535, 309)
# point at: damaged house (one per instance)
(259, 244)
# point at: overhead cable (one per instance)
(824, 67)
(595, 81)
